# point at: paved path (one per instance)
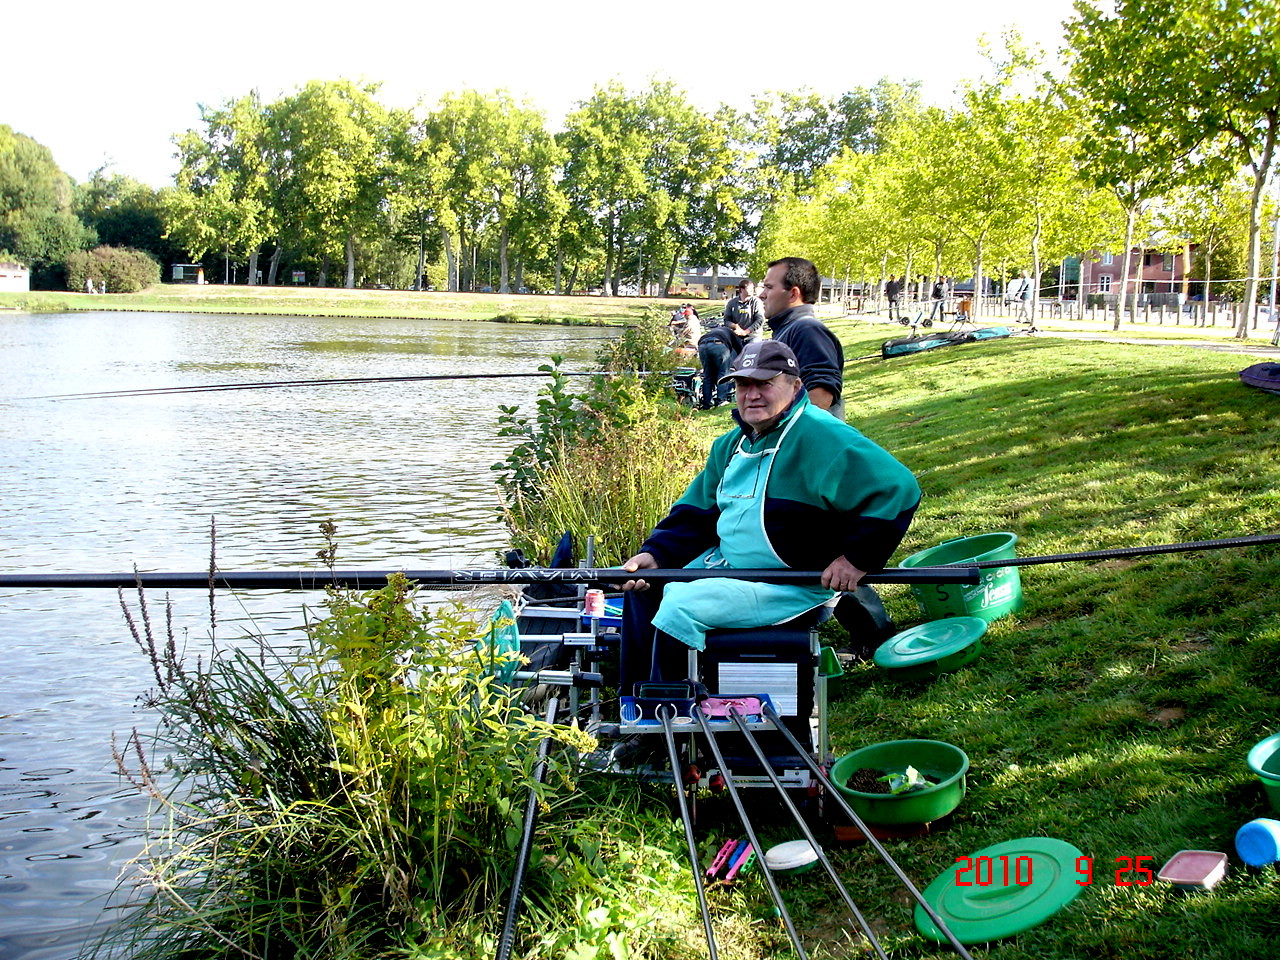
(1218, 339)
(1251, 347)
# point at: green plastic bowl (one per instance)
(999, 591)
(940, 762)
(1264, 761)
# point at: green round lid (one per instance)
(988, 911)
(930, 641)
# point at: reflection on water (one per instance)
(103, 485)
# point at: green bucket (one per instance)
(1264, 761)
(943, 763)
(997, 593)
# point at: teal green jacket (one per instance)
(831, 492)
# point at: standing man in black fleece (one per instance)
(789, 291)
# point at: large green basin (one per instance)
(941, 762)
(1264, 761)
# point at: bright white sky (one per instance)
(113, 83)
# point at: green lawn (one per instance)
(1115, 711)
(328, 301)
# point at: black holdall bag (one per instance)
(862, 613)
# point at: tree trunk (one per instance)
(323, 279)
(573, 279)
(504, 272)
(559, 264)
(519, 275)
(1208, 272)
(975, 306)
(351, 264)
(616, 281)
(422, 255)
(1271, 269)
(1130, 220)
(671, 274)
(451, 262)
(274, 268)
(715, 281)
(1250, 312)
(253, 267)
(1035, 267)
(608, 259)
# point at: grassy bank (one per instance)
(1114, 711)
(334, 302)
(313, 301)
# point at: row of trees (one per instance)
(47, 221)
(635, 183)
(1162, 134)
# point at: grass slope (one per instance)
(1115, 710)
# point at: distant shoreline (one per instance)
(336, 302)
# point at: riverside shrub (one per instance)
(124, 269)
(348, 800)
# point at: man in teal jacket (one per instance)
(790, 486)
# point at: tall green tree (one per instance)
(1198, 79)
(331, 157)
(418, 196)
(796, 132)
(124, 213)
(225, 195)
(502, 171)
(38, 225)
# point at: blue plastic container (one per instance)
(1258, 842)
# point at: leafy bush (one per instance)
(607, 460)
(643, 351)
(354, 800)
(615, 488)
(124, 270)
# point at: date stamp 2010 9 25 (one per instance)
(1004, 871)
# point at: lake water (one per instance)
(104, 485)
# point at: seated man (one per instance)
(790, 486)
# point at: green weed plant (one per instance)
(364, 798)
(605, 462)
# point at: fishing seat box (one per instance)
(781, 661)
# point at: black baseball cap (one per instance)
(763, 360)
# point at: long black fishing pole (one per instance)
(331, 381)
(964, 572)
(815, 768)
(1117, 553)
(373, 579)
(507, 936)
(665, 713)
(732, 788)
(740, 722)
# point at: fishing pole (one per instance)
(732, 788)
(666, 712)
(739, 721)
(374, 579)
(331, 381)
(1117, 553)
(507, 936)
(964, 572)
(816, 769)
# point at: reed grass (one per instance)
(363, 798)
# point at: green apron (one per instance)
(689, 610)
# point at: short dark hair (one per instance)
(799, 272)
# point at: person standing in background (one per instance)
(744, 314)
